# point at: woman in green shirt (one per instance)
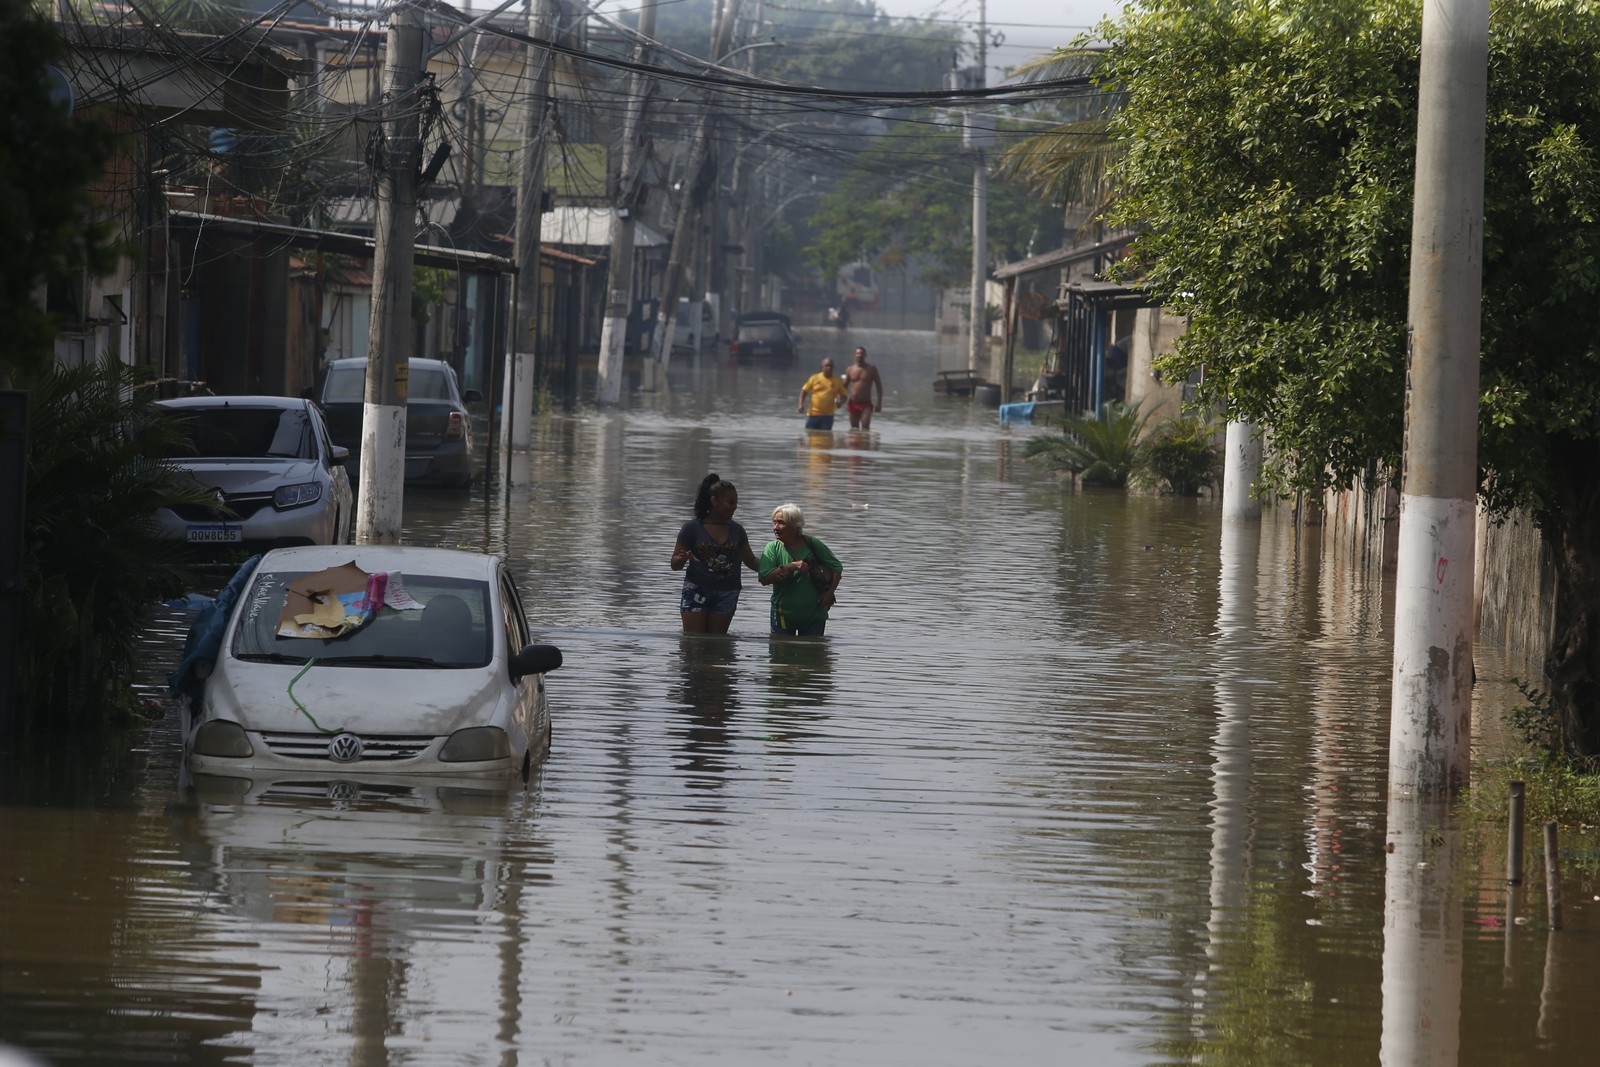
(803, 574)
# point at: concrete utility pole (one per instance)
(517, 421)
(1241, 466)
(683, 230)
(381, 501)
(619, 271)
(979, 137)
(1431, 702)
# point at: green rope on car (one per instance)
(320, 728)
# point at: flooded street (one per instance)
(1073, 778)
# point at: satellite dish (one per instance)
(61, 91)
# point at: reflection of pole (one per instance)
(619, 271)
(1421, 936)
(1230, 747)
(1431, 700)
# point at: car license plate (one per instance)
(215, 534)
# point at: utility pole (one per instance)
(619, 270)
(978, 138)
(683, 231)
(1430, 722)
(381, 501)
(517, 421)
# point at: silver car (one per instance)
(278, 478)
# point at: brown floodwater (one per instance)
(1074, 777)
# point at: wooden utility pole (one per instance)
(683, 230)
(517, 421)
(381, 501)
(979, 136)
(1430, 722)
(619, 271)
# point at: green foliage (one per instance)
(1182, 456)
(429, 288)
(47, 159)
(91, 567)
(1102, 448)
(1070, 161)
(909, 197)
(1536, 720)
(1268, 153)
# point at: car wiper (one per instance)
(270, 657)
(378, 660)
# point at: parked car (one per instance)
(439, 448)
(765, 336)
(373, 659)
(278, 477)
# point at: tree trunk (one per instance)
(1573, 531)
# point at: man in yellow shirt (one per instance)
(826, 391)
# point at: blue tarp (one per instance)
(1019, 412)
(205, 635)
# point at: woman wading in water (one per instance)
(711, 549)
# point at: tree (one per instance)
(909, 197)
(1268, 152)
(90, 568)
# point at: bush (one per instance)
(1100, 447)
(1182, 456)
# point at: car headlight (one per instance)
(296, 496)
(219, 737)
(474, 744)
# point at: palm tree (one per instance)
(1100, 447)
(1071, 162)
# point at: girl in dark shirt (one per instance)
(711, 548)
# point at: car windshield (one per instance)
(428, 383)
(234, 432)
(761, 331)
(450, 630)
(345, 384)
(348, 384)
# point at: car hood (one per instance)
(251, 476)
(361, 700)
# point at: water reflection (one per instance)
(799, 683)
(1230, 748)
(1421, 936)
(707, 696)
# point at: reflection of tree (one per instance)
(707, 696)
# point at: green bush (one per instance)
(1181, 456)
(91, 565)
(1102, 448)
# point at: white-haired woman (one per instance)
(803, 573)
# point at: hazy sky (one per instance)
(1029, 26)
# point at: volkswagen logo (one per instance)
(343, 793)
(222, 499)
(346, 748)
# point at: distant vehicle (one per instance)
(765, 336)
(439, 448)
(278, 477)
(371, 659)
(856, 289)
(695, 331)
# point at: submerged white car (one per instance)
(366, 659)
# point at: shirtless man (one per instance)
(861, 379)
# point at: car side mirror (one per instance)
(337, 455)
(534, 659)
(472, 396)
